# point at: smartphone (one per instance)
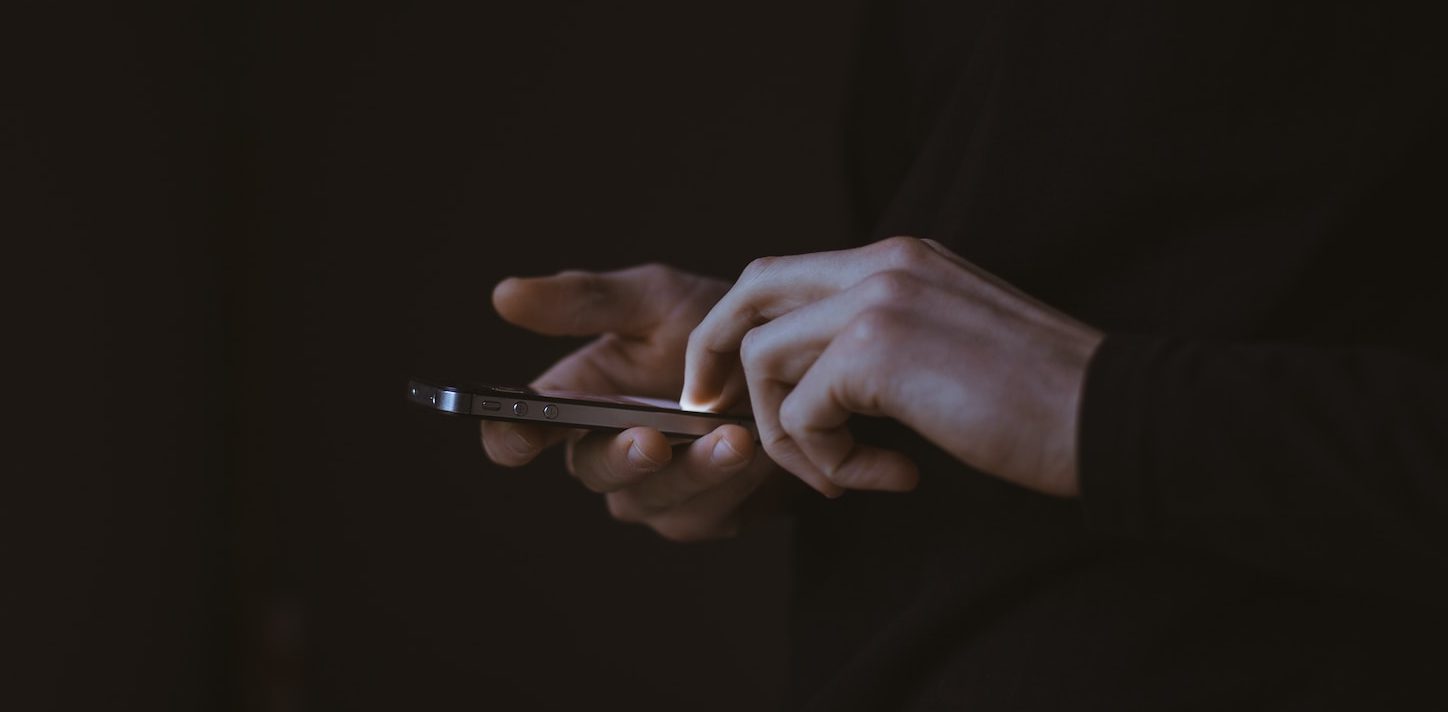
(571, 410)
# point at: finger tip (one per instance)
(690, 400)
(505, 297)
(504, 289)
(738, 438)
(699, 393)
(651, 445)
(729, 450)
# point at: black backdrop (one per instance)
(235, 229)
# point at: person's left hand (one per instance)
(905, 329)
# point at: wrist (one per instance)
(1063, 472)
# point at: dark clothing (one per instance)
(1245, 196)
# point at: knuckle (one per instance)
(660, 274)
(792, 419)
(590, 291)
(757, 267)
(872, 326)
(773, 438)
(697, 345)
(705, 340)
(892, 286)
(588, 282)
(751, 350)
(903, 252)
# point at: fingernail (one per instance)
(724, 454)
(518, 444)
(637, 458)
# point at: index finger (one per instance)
(628, 302)
(773, 286)
(768, 287)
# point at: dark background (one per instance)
(234, 229)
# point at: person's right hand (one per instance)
(642, 317)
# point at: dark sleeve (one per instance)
(1317, 463)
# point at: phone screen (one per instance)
(570, 408)
(614, 399)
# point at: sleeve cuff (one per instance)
(1116, 488)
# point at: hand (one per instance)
(642, 317)
(903, 329)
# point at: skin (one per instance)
(902, 328)
(641, 318)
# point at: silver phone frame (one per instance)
(517, 404)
